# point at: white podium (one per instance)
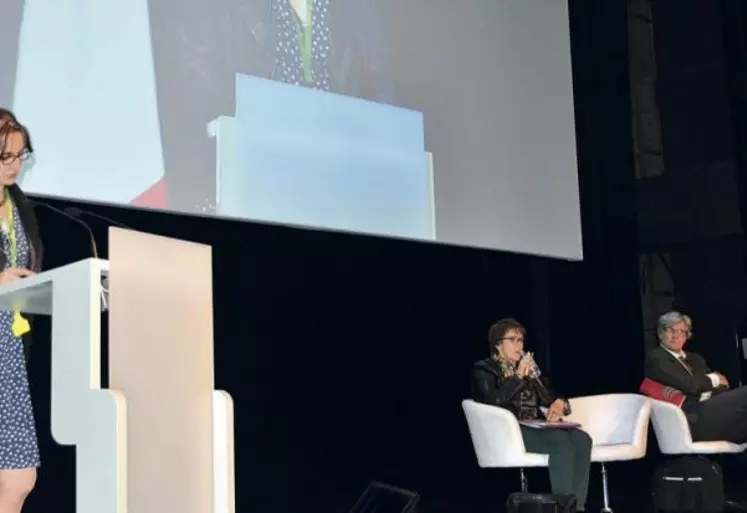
(160, 439)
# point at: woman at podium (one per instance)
(337, 46)
(20, 257)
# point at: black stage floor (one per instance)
(629, 485)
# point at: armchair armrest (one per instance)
(496, 435)
(613, 419)
(671, 428)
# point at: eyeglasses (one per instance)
(514, 340)
(678, 331)
(8, 158)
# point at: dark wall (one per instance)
(734, 16)
(595, 309)
(693, 212)
(347, 357)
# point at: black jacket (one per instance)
(490, 386)
(663, 367)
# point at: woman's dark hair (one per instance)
(498, 330)
(8, 125)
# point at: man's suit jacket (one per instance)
(692, 379)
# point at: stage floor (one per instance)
(629, 484)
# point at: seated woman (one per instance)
(510, 379)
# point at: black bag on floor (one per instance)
(689, 484)
(540, 503)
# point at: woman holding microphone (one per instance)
(510, 379)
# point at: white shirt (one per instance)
(715, 380)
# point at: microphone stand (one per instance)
(94, 246)
(79, 212)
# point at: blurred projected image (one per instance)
(200, 47)
(85, 70)
(316, 113)
(303, 156)
(331, 45)
(293, 147)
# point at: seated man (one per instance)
(713, 411)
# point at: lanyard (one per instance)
(20, 324)
(11, 225)
(304, 33)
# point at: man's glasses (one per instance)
(678, 331)
(8, 158)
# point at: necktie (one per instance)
(683, 360)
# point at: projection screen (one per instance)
(435, 120)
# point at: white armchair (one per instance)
(497, 439)
(618, 427)
(674, 437)
(616, 423)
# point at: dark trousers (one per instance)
(722, 417)
(569, 458)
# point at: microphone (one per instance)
(94, 247)
(79, 212)
(535, 371)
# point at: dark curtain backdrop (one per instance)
(734, 19)
(347, 357)
(595, 311)
(692, 211)
(734, 16)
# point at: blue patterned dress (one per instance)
(288, 51)
(18, 443)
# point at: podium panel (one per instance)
(161, 360)
(160, 439)
(84, 415)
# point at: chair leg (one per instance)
(605, 491)
(524, 483)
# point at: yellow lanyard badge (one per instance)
(20, 325)
(304, 34)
